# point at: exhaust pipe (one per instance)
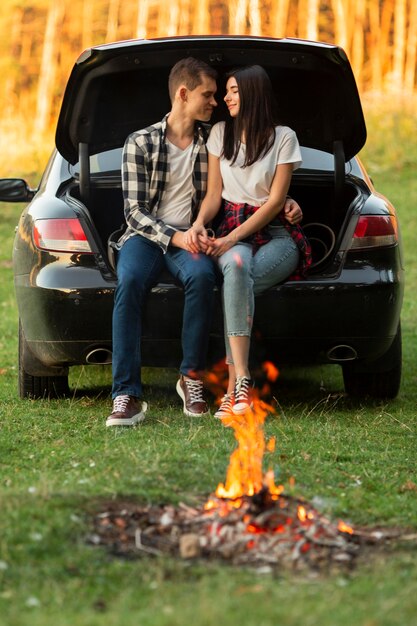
(342, 353)
(99, 356)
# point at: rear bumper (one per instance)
(296, 322)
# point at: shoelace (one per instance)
(120, 404)
(195, 390)
(242, 387)
(226, 403)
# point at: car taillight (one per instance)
(61, 235)
(374, 231)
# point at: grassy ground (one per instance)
(58, 462)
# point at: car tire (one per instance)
(377, 379)
(44, 385)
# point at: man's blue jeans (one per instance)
(139, 264)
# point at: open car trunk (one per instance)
(325, 216)
(116, 89)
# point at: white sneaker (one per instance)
(226, 406)
(243, 395)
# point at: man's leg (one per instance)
(139, 264)
(197, 274)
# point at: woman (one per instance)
(251, 161)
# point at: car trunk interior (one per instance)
(324, 214)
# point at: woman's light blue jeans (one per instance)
(246, 275)
(139, 265)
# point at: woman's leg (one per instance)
(238, 310)
(275, 261)
(238, 303)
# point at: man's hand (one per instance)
(178, 240)
(292, 211)
(195, 239)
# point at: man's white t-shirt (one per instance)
(252, 184)
(176, 202)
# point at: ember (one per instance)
(284, 533)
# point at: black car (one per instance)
(347, 311)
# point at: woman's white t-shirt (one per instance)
(252, 184)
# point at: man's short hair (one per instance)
(188, 72)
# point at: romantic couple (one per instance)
(176, 176)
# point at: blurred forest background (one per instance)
(41, 39)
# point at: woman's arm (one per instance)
(264, 215)
(196, 236)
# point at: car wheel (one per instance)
(45, 385)
(378, 379)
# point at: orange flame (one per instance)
(245, 473)
(344, 528)
(271, 371)
(245, 476)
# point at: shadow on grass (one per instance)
(295, 385)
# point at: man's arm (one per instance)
(135, 183)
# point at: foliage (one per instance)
(392, 131)
(42, 39)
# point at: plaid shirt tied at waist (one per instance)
(237, 213)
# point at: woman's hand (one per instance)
(196, 238)
(221, 245)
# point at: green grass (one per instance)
(58, 464)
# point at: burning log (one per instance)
(288, 534)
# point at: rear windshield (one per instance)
(110, 161)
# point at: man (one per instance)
(164, 176)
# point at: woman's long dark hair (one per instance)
(256, 117)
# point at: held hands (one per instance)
(196, 239)
(199, 239)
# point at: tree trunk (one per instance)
(340, 24)
(48, 69)
(168, 21)
(238, 12)
(374, 46)
(312, 20)
(184, 17)
(201, 22)
(11, 87)
(255, 17)
(399, 45)
(113, 20)
(142, 18)
(411, 62)
(358, 42)
(87, 23)
(280, 10)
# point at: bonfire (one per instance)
(247, 520)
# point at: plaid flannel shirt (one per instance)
(145, 173)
